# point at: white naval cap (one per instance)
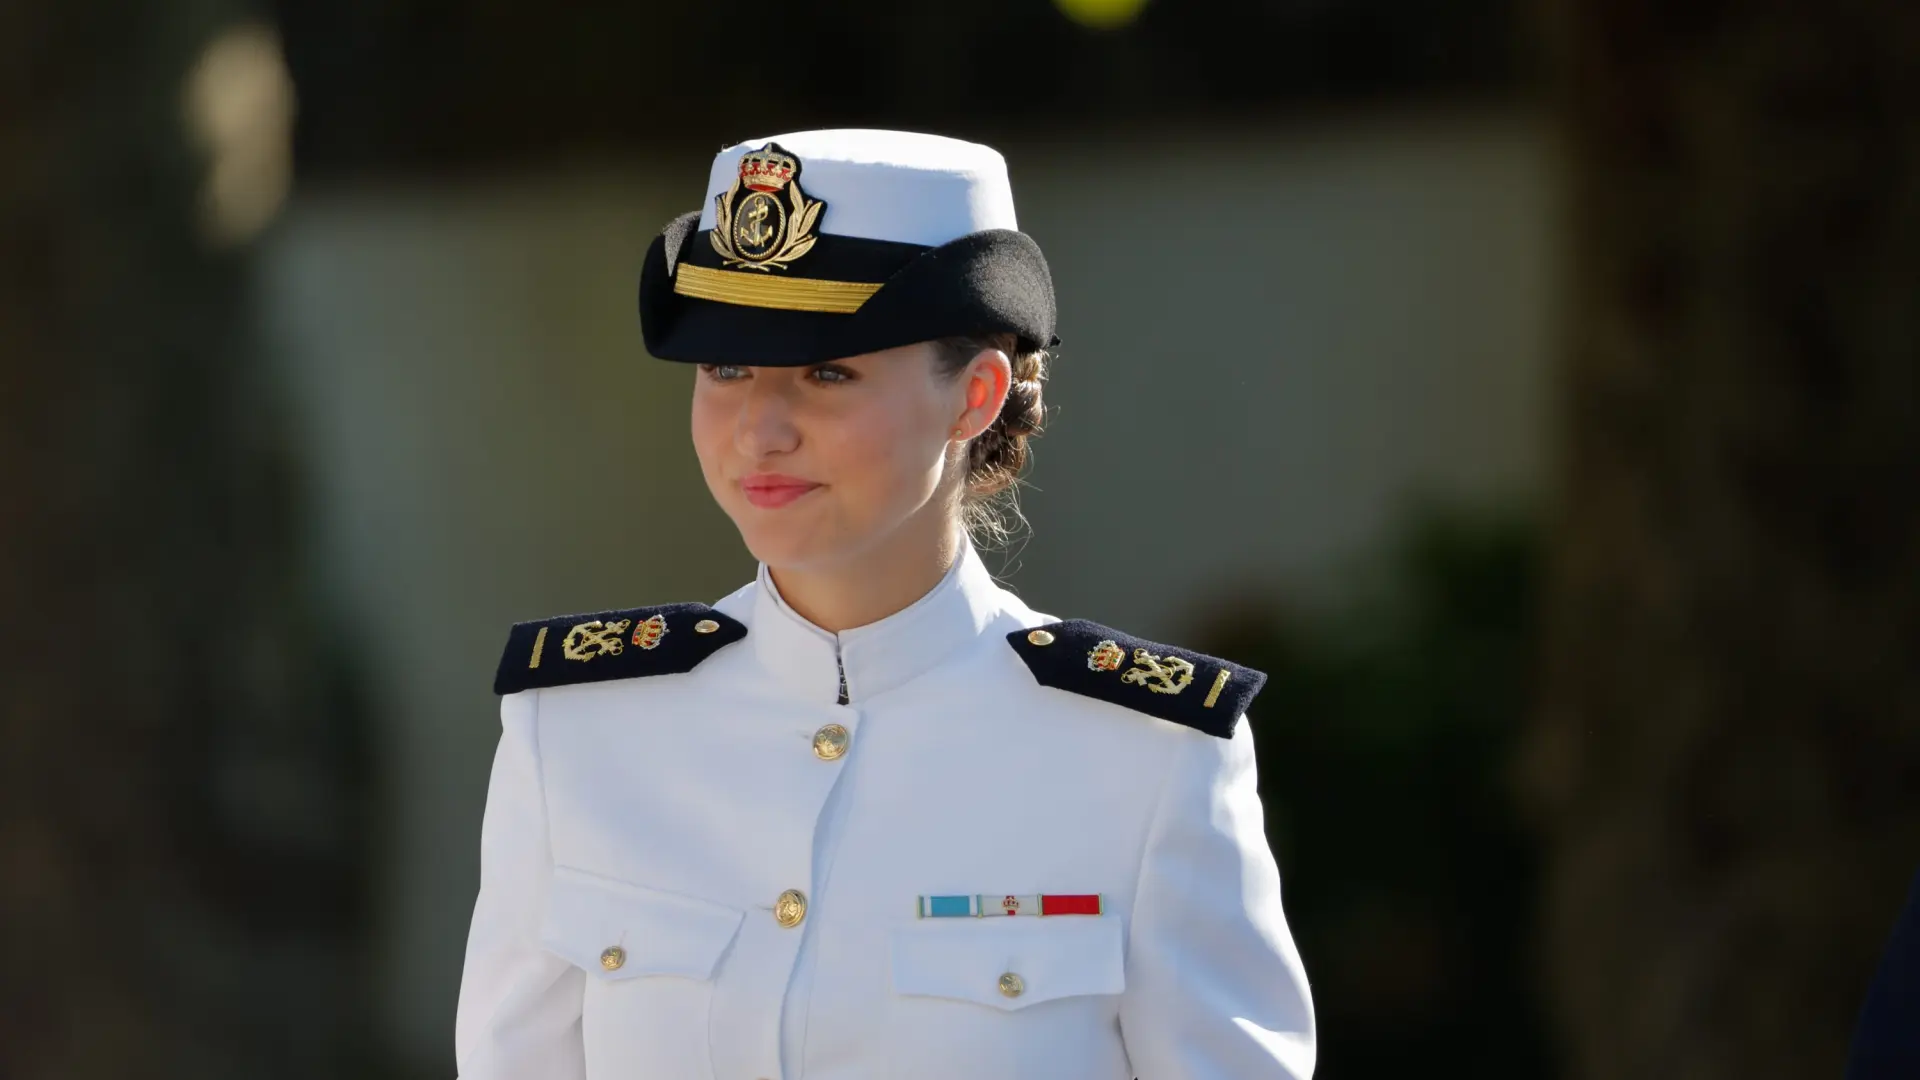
(902, 186)
(818, 245)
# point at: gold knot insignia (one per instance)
(591, 639)
(1162, 676)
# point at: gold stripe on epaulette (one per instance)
(762, 291)
(539, 644)
(1219, 684)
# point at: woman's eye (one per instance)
(723, 372)
(831, 374)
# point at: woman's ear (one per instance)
(986, 380)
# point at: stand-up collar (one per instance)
(881, 655)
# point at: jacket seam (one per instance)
(1146, 846)
(540, 781)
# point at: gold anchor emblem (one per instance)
(756, 230)
(1168, 676)
(591, 639)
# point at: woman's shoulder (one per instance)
(1180, 685)
(666, 639)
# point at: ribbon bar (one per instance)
(982, 905)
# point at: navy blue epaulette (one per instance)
(666, 640)
(1186, 687)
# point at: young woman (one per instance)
(871, 815)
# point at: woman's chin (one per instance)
(783, 549)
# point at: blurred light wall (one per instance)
(1275, 339)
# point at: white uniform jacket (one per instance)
(683, 877)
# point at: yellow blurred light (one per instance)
(1101, 14)
(238, 104)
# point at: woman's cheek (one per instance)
(894, 461)
(708, 433)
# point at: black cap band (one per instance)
(856, 296)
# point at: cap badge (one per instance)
(764, 221)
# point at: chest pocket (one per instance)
(617, 931)
(1009, 963)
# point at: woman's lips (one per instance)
(771, 491)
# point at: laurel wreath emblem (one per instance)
(802, 215)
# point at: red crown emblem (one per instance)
(1106, 656)
(767, 169)
(648, 634)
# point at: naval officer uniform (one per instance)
(969, 840)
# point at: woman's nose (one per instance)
(765, 425)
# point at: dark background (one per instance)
(1616, 777)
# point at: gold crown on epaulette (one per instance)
(768, 170)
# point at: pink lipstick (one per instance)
(771, 491)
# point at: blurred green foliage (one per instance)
(1387, 737)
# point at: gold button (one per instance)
(1012, 985)
(613, 958)
(830, 742)
(1040, 637)
(790, 908)
(705, 626)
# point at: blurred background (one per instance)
(1531, 386)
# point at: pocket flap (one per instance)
(657, 932)
(966, 959)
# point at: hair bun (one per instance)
(1025, 412)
